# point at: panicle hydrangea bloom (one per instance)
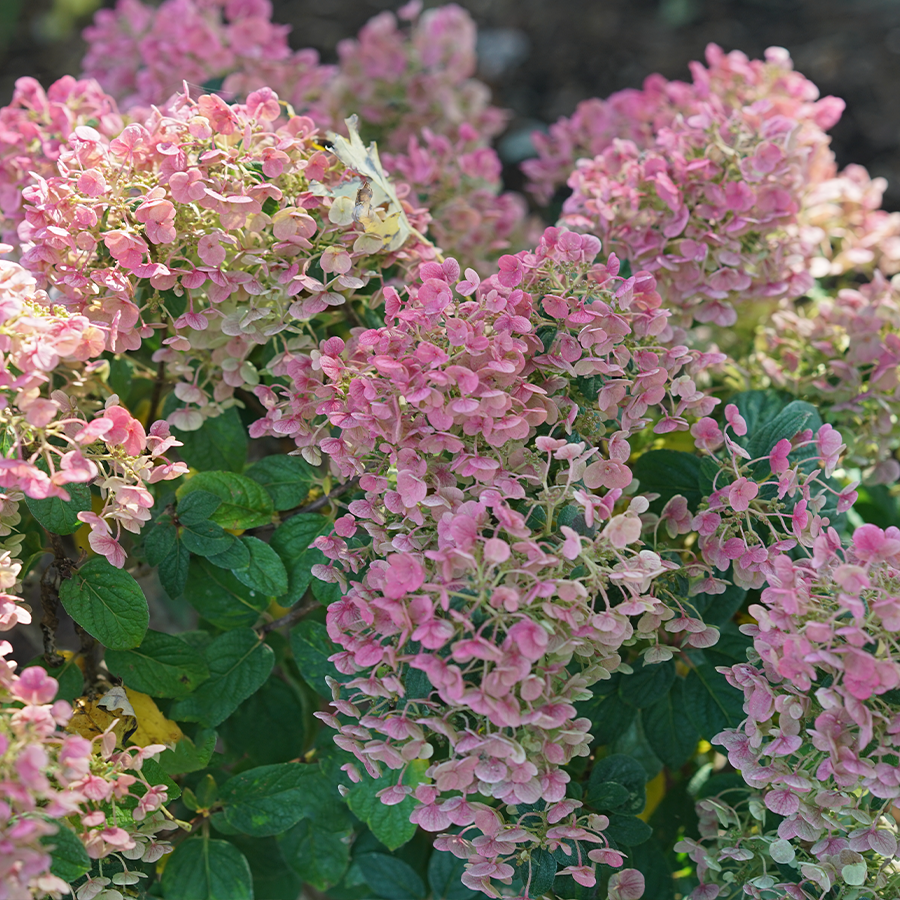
(220, 226)
(730, 82)
(820, 741)
(51, 780)
(477, 610)
(34, 127)
(60, 437)
(711, 207)
(843, 352)
(758, 508)
(137, 55)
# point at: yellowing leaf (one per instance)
(390, 226)
(90, 720)
(152, 726)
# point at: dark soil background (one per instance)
(541, 57)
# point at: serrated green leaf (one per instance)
(610, 715)
(391, 878)
(204, 869)
(219, 444)
(239, 663)
(622, 770)
(320, 857)
(245, 504)
(287, 478)
(275, 711)
(326, 592)
(538, 872)
(156, 775)
(273, 879)
(266, 800)
(608, 795)
(668, 728)
(61, 516)
(265, 572)
(69, 859)
(108, 603)
(237, 556)
(311, 647)
(162, 666)
(648, 858)
(795, 417)
(444, 874)
(220, 598)
(628, 830)
(668, 473)
(390, 824)
(189, 755)
(197, 506)
(647, 683)
(711, 702)
(173, 570)
(291, 542)
(159, 542)
(206, 538)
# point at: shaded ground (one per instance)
(543, 57)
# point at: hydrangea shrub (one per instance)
(379, 537)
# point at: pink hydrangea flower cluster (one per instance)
(455, 418)
(51, 780)
(730, 82)
(138, 57)
(202, 222)
(820, 740)
(751, 517)
(34, 127)
(55, 437)
(711, 207)
(843, 352)
(458, 179)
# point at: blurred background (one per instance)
(541, 57)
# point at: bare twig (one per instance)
(295, 615)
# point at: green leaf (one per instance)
(647, 684)
(163, 666)
(189, 755)
(287, 478)
(628, 830)
(320, 857)
(239, 663)
(796, 416)
(220, 598)
(108, 603)
(204, 869)
(206, 538)
(323, 804)
(390, 824)
(711, 702)
(61, 516)
(156, 774)
(391, 878)
(311, 648)
(237, 556)
(273, 879)
(622, 770)
(197, 506)
(69, 859)
(756, 408)
(326, 592)
(265, 800)
(538, 872)
(608, 795)
(649, 859)
(274, 711)
(221, 443)
(159, 541)
(291, 542)
(667, 473)
(610, 716)
(265, 572)
(173, 570)
(245, 504)
(668, 728)
(444, 874)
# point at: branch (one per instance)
(295, 615)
